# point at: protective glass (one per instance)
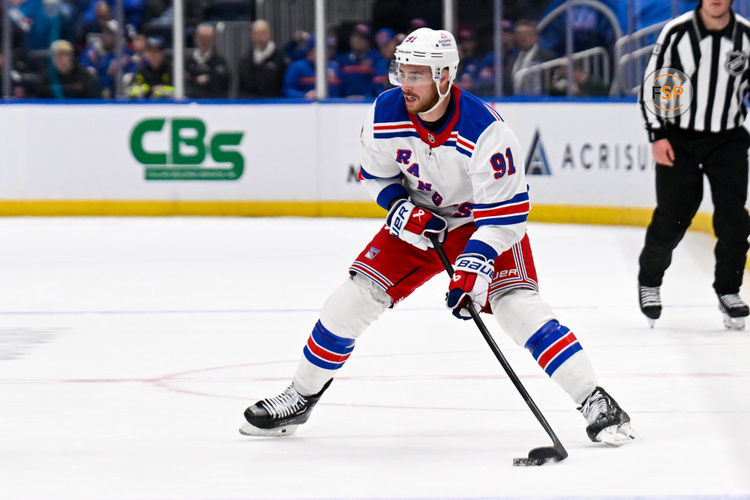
(410, 75)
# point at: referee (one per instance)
(710, 46)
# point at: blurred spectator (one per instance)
(133, 11)
(76, 9)
(416, 23)
(154, 8)
(261, 70)
(584, 84)
(299, 80)
(65, 78)
(386, 41)
(101, 14)
(529, 54)
(358, 65)
(469, 64)
(508, 38)
(160, 14)
(591, 28)
(138, 52)
(46, 21)
(100, 58)
(17, 88)
(296, 48)
(486, 82)
(206, 72)
(154, 79)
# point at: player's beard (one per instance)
(422, 104)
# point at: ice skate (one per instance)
(734, 310)
(280, 415)
(650, 302)
(607, 422)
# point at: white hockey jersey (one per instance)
(470, 171)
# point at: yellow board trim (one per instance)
(157, 208)
(611, 216)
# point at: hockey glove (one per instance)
(471, 279)
(411, 223)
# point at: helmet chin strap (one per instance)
(441, 98)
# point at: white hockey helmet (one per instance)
(427, 47)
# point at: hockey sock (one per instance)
(326, 350)
(561, 356)
(349, 310)
(323, 355)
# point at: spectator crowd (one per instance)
(71, 49)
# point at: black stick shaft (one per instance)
(496, 350)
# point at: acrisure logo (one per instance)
(180, 151)
(667, 92)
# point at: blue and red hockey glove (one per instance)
(472, 276)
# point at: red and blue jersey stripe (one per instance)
(512, 211)
(469, 118)
(464, 145)
(394, 129)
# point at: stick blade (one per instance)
(541, 456)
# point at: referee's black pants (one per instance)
(679, 190)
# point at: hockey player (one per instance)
(441, 162)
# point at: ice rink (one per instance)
(130, 347)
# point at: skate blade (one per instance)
(734, 323)
(651, 322)
(616, 436)
(250, 430)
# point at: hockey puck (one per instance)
(541, 456)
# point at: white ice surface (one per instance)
(130, 347)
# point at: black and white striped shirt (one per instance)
(706, 57)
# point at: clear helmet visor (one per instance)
(410, 75)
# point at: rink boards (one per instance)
(586, 161)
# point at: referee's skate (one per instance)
(734, 310)
(649, 300)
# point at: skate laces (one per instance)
(287, 403)
(649, 296)
(595, 405)
(731, 300)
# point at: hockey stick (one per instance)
(537, 456)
